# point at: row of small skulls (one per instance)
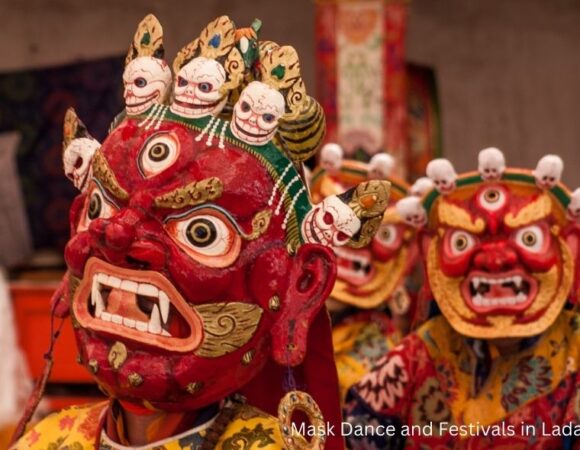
(491, 166)
(380, 167)
(199, 90)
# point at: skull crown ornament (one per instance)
(192, 276)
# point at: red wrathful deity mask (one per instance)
(499, 245)
(188, 265)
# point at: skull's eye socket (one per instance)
(201, 232)
(327, 218)
(342, 237)
(95, 206)
(205, 87)
(158, 154)
(268, 118)
(207, 236)
(181, 82)
(245, 106)
(140, 82)
(461, 242)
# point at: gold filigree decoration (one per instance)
(280, 68)
(148, 40)
(301, 401)
(135, 379)
(192, 194)
(103, 173)
(370, 198)
(117, 355)
(454, 216)
(227, 327)
(532, 212)
(260, 224)
(216, 41)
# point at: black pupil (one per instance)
(529, 239)
(386, 234)
(140, 82)
(492, 196)
(201, 232)
(245, 107)
(461, 243)
(159, 152)
(95, 207)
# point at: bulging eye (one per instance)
(387, 234)
(140, 82)
(159, 153)
(96, 207)
(530, 238)
(205, 87)
(245, 106)
(461, 242)
(181, 82)
(492, 199)
(209, 238)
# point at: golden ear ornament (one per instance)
(295, 401)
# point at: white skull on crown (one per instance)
(76, 160)
(197, 91)
(331, 223)
(256, 113)
(147, 80)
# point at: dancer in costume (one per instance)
(372, 302)
(499, 367)
(195, 296)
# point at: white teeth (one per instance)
(114, 281)
(129, 286)
(517, 281)
(148, 290)
(128, 322)
(101, 278)
(478, 300)
(95, 293)
(141, 326)
(164, 333)
(116, 318)
(164, 306)
(155, 321)
(106, 316)
(475, 283)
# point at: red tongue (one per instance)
(125, 304)
(498, 291)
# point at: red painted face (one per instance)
(184, 270)
(498, 265)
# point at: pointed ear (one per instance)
(311, 280)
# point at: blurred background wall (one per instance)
(508, 71)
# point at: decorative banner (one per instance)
(361, 76)
(424, 120)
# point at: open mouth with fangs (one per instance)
(139, 101)
(354, 266)
(508, 292)
(143, 306)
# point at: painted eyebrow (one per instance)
(455, 216)
(532, 212)
(192, 194)
(104, 175)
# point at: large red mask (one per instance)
(497, 246)
(188, 266)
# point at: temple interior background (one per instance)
(507, 72)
